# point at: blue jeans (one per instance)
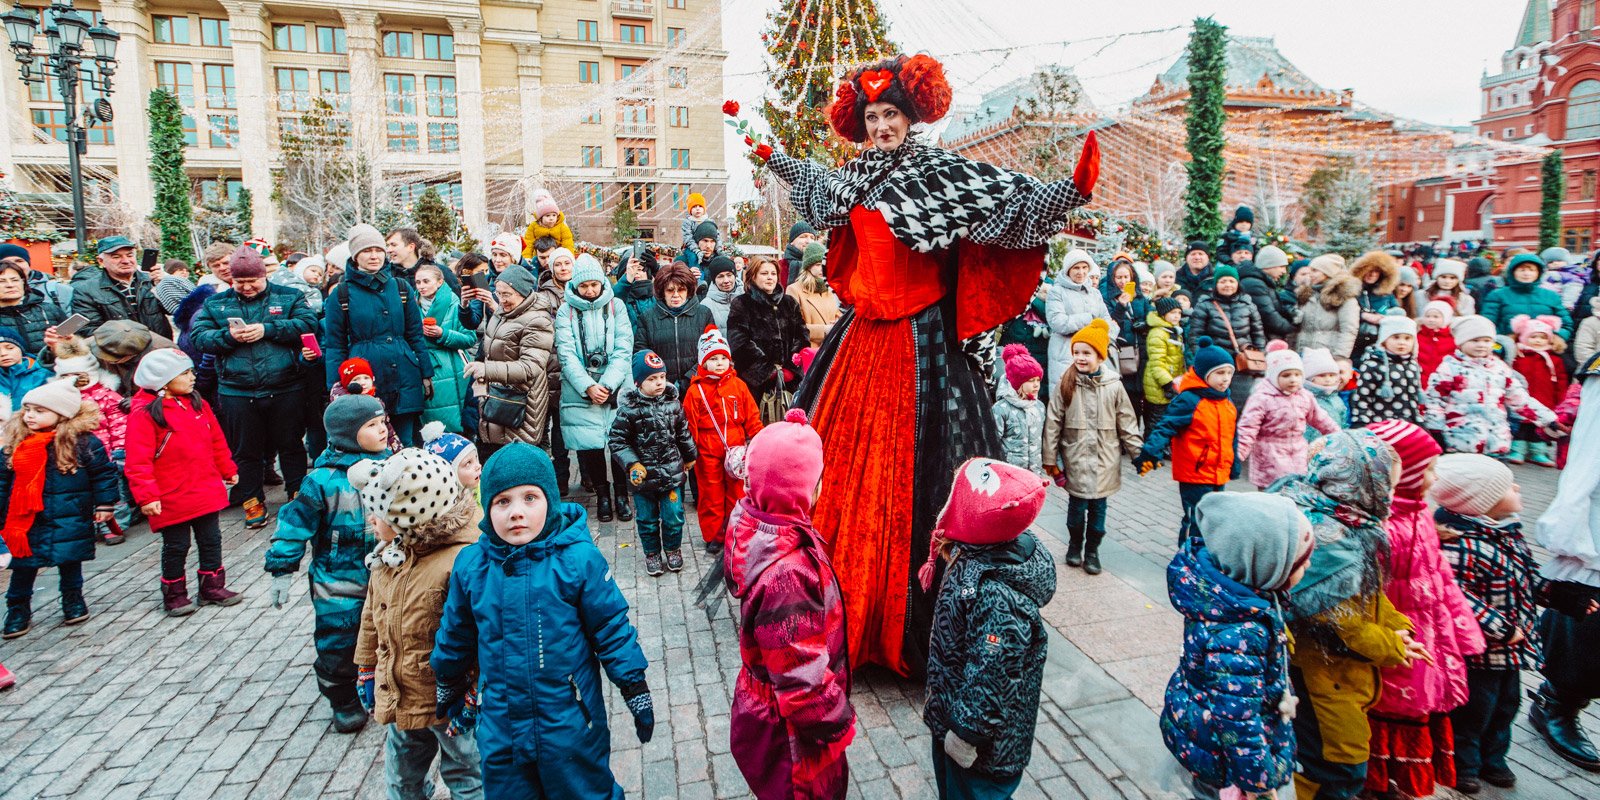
(409, 754)
(659, 520)
(22, 578)
(1189, 494)
(1483, 725)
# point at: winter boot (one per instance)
(602, 507)
(214, 589)
(19, 618)
(73, 608)
(1091, 552)
(624, 506)
(1075, 547)
(1542, 453)
(175, 597)
(111, 532)
(349, 718)
(255, 514)
(652, 564)
(272, 478)
(1518, 453)
(1556, 719)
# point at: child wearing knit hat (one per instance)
(50, 464)
(1272, 430)
(327, 516)
(423, 518)
(792, 719)
(456, 450)
(1091, 422)
(1410, 739)
(547, 221)
(723, 417)
(356, 378)
(1323, 381)
(1478, 519)
(650, 438)
(1389, 383)
(19, 372)
(1164, 358)
(1229, 583)
(1200, 428)
(1470, 395)
(74, 362)
(1540, 364)
(986, 657)
(1018, 413)
(1434, 341)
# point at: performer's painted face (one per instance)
(887, 125)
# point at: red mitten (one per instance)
(1087, 172)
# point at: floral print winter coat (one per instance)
(1467, 400)
(1273, 429)
(1221, 718)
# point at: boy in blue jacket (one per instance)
(327, 514)
(533, 608)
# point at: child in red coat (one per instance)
(1434, 341)
(1539, 363)
(723, 417)
(179, 469)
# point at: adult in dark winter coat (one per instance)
(1262, 282)
(636, 287)
(1231, 320)
(1481, 279)
(117, 290)
(1195, 274)
(1236, 238)
(672, 324)
(801, 234)
(1581, 310)
(1378, 273)
(205, 364)
(765, 330)
(378, 317)
(258, 372)
(1030, 328)
(28, 311)
(1522, 295)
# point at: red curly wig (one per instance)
(916, 85)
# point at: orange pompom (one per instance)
(842, 112)
(924, 82)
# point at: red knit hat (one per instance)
(353, 367)
(990, 502)
(1417, 451)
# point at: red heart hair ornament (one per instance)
(875, 82)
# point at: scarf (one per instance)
(28, 462)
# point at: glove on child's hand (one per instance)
(636, 474)
(366, 681)
(959, 750)
(281, 584)
(637, 696)
(450, 696)
(468, 718)
(1145, 464)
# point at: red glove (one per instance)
(1087, 172)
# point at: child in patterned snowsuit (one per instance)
(1018, 413)
(792, 718)
(1390, 384)
(1471, 391)
(1228, 706)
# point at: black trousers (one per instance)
(1483, 726)
(1570, 645)
(207, 535)
(558, 444)
(257, 427)
(595, 467)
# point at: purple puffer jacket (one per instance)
(1272, 431)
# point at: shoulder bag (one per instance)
(503, 406)
(1246, 360)
(733, 461)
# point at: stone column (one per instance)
(366, 83)
(469, 114)
(130, 102)
(529, 74)
(257, 107)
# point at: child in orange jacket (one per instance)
(1201, 425)
(723, 417)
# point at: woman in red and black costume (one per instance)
(929, 249)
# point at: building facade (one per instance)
(597, 101)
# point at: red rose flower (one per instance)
(730, 107)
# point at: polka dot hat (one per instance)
(410, 488)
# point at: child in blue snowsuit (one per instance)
(533, 607)
(327, 514)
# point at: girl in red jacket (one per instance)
(1434, 340)
(179, 469)
(723, 417)
(1539, 363)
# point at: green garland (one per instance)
(1208, 66)
(1553, 187)
(174, 211)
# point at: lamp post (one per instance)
(65, 62)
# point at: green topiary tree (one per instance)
(174, 212)
(435, 219)
(624, 223)
(244, 214)
(1554, 190)
(1208, 69)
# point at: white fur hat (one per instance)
(1319, 361)
(1281, 358)
(509, 242)
(1449, 266)
(1394, 322)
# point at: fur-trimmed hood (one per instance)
(1382, 263)
(1334, 292)
(459, 525)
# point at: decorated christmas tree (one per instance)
(810, 45)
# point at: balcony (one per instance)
(636, 130)
(626, 172)
(633, 9)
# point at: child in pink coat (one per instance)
(1412, 743)
(1273, 427)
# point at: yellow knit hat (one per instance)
(695, 199)
(1097, 334)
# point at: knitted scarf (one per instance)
(28, 462)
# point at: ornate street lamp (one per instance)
(64, 62)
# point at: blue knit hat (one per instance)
(442, 443)
(1208, 356)
(345, 416)
(520, 464)
(10, 335)
(645, 364)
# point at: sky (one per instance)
(1417, 59)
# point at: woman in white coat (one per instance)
(1072, 302)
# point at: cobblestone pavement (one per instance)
(222, 704)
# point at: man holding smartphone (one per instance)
(118, 290)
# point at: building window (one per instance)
(335, 85)
(294, 89)
(674, 36)
(1586, 15)
(443, 137)
(626, 71)
(290, 38)
(1587, 185)
(1509, 133)
(1488, 134)
(588, 72)
(54, 124)
(331, 40)
(633, 34)
(1420, 215)
(641, 196)
(220, 87)
(438, 47)
(224, 130)
(216, 190)
(215, 33)
(400, 91)
(680, 158)
(441, 91)
(680, 196)
(403, 137)
(590, 156)
(1583, 111)
(677, 77)
(1577, 239)
(588, 30)
(170, 30)
(678, 4)
(635, 156)
(1527, 130)
(593, 196)
(398, 44)
(678, 116)
(592, 119)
